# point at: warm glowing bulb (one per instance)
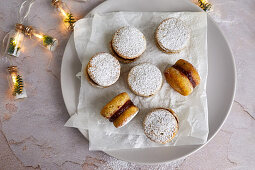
(14, 78)
(63, 12)
(16, 38)
(38, 35)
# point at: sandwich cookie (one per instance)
(172, 35)
(128, 43)
(145, 79)
(103, 70)
(120, 110)
(182, 77)
(161, 125)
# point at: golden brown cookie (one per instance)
(120, 110)
(161, 125)
(182, 76)
(128, 43)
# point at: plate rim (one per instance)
(228, 110)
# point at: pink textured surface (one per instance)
(32, 132)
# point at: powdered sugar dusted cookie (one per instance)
(103, 70)
(161, 125)
(145, 79)
(128, 43)
(172, 35)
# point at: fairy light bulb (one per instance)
(16, 83)
(14, 76)
(45, 40)
(68, 18)
(14, 43)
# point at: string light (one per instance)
(13, 46)
(68, 18)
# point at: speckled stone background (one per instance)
(32, 132)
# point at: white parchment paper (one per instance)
(93, 35)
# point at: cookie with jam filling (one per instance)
(120, 110)
(182, 77)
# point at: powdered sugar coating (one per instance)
(129, 42)
(145, 79)
(104, 69)
(160, 126)
(172, 35)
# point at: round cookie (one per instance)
(145, 79)
(172, 35)
(128, 43)
(120, 110)
(161, 125)
(122, 60)
(103, 70)
(182, 77)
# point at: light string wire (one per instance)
(25, 10)
(23, 13)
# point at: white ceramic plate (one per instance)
(220, 86)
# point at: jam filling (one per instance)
(121, 110)
(187, 74)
